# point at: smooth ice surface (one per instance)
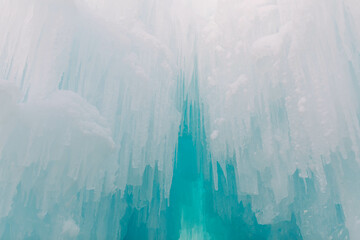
(179, 119)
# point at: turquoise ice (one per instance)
(179, 119)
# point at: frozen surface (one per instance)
(179, 119)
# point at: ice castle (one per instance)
(180, 119)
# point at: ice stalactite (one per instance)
(179, 119)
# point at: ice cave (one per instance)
(180, 119)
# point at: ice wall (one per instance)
(282, 93)
(179, 119)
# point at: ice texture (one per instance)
(180, 119)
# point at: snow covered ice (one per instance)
(180, 119)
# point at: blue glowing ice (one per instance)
(180, 119)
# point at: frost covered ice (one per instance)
(179, 119)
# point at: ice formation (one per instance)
(179, 119)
